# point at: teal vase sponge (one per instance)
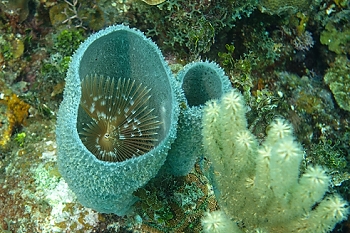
(117, 119)
(200, 81)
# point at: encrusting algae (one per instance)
(16, 112)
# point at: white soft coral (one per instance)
(334, 208)
(279, 129)
(218, 222)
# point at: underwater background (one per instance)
(288, 58)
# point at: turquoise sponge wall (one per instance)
(116, 52)
(200, 82)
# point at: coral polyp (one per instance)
(121, 125)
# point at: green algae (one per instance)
(337, 40)
(338, 79)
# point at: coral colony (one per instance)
(125, 133)
(259, 186)
(242, 126)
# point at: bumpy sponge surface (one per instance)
(116, 52)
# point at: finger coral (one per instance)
(259, 186)
(218, 222)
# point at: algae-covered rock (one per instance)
(56, 14)
(278, 7)
(338, 79)
(18, 8)
(79, 15)
(337, 41)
